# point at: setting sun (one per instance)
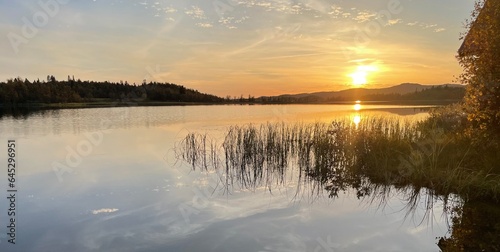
(359, 77)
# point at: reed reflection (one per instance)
(377, 159)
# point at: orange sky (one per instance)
(254, 47)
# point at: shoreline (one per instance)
(112, 104)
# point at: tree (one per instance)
(17, 91)
(479, 56)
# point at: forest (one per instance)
(18, 91)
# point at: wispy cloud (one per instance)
(196, 12)
(104, 210)
(364, 16)
(336, 11)
(425, 26)
(170, 9)
(394, 21)
(204, 25)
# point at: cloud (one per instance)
(346, 14)
(170, 9)
(364, 16)
(425, 26)
(104, 210)
(316, 5)
(196, 12)
(161, 9)
(394, 21)
(336, 11)
(226, 20)
(231, 22)
(287, 7)
(204, 25)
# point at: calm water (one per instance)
(108, 180)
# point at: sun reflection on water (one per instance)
(356, 118)
(358, 106)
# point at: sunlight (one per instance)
(357, 107)
(356, 120)
(360, 76)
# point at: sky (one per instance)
(236, 47)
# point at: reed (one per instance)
(373, 155)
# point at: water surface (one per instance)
(107, 179)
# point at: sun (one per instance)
(360, 76)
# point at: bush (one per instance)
(450, 119)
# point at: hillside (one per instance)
(405, 91)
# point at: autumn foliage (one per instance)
(480, 58)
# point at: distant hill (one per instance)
(405, 91)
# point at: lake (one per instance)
(109, 179)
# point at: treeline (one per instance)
(20, 91)
(434, 93)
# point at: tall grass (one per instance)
(369, 157)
